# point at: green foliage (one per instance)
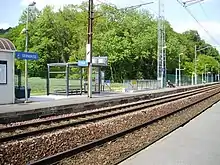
(128, 38)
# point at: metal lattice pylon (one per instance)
(161, 50)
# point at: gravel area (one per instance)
(74, 120)
(113, 152)
(2, 125)
(21, 152)
(53, 117)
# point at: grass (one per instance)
(38, 85)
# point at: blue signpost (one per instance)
(26, 56)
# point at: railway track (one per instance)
(36, 128)
(104, 142)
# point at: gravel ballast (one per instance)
(34, 148)
(74, 117)
(114, 152)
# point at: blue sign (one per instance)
(26, 56)
(82, 63)
(107, 81)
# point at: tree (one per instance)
(127, 37)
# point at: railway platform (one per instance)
(46, 106)
(197, 143)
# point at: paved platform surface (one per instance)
(197, 143)
(45, 106)
(50, 101)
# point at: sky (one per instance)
(206, 12)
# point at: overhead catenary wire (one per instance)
(128, 7)
(191, 2)
(203, 10)
(191, 14)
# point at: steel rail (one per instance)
(54, 159)
(80, 115)
(104, 116)
(160, 137)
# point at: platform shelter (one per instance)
(7, 50)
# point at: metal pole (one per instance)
(81, 80)
(90, 31)
(164, 45)
(212, 76)
(162, 69)
(218, 71)
(195, 65)
(205, 75)
(202, 78)
(48, 80)
(179, 72)
(159, 41)
(26, 62)
(99, 84)
(176, 77)
(67, 80)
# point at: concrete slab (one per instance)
(51, 101)
(197, 143)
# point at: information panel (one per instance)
(3, 72)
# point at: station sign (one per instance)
(26, 56)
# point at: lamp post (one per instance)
(205, 73)
(180, 70)
(218, 71)
(163, 68)
(195, 69)
(89, 46)
(26, 50)
(195, 65)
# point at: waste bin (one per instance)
(20, 92)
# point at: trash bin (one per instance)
(20, 92)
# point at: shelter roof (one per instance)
(6, 45)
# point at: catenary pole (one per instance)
(89, 47)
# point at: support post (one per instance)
(195, 65)
(218, 71)
(81, 80)
(159, 41)
(26, 62)
(67, 80)
(26, 49)
(99, 82)
(179, 72)
(176, 77)
(207, 77)
(202, 78)
(162, 70)
(90, 31)
(48, 80)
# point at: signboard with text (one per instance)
(26, 56)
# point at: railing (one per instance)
(137, 85)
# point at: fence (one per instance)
(190, 80)
(132, 85)
(38, 85)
